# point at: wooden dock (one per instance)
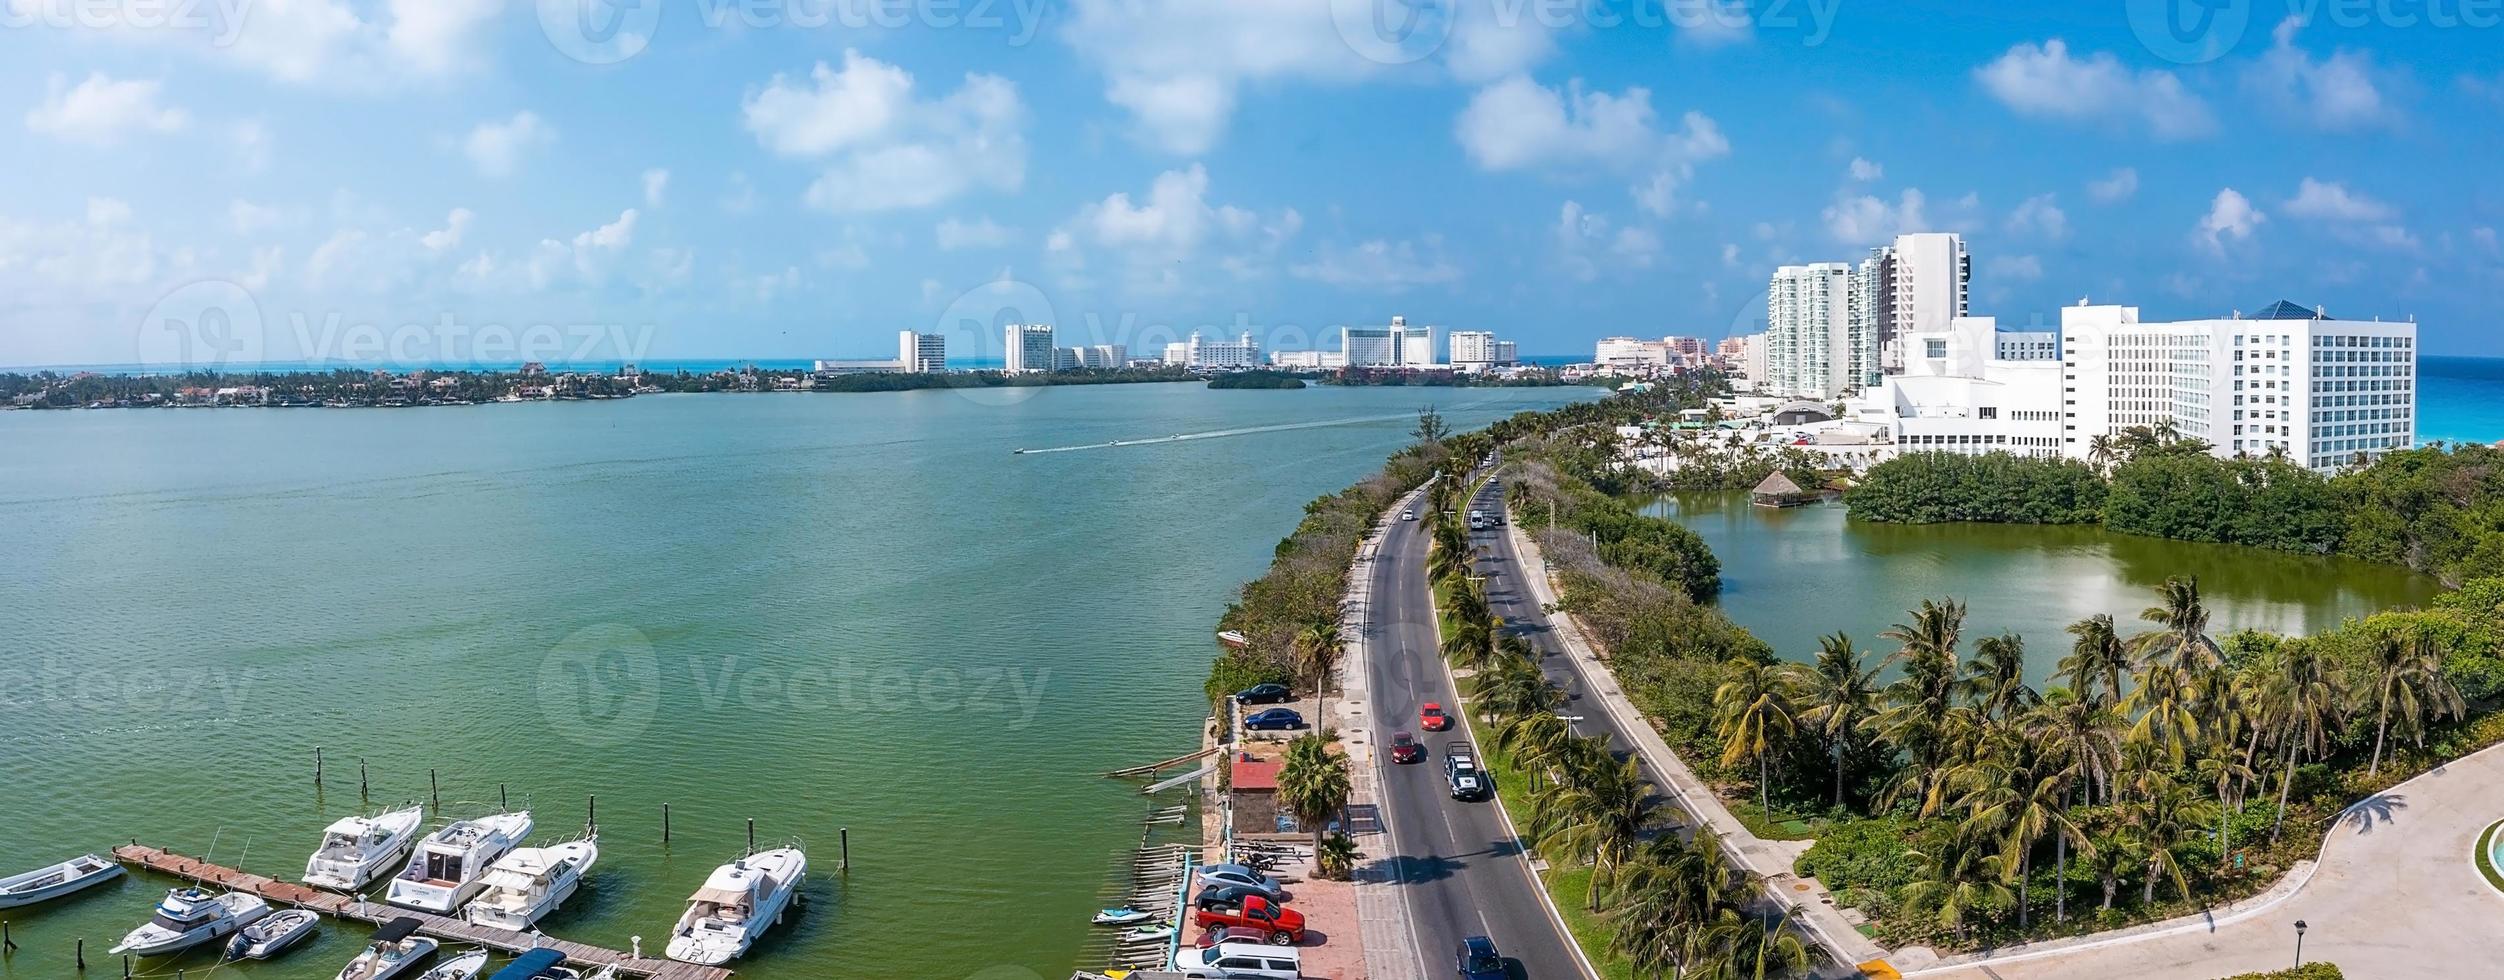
(441, 927)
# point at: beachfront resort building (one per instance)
(1811, 350)
(1396, 346)
(922, 353)
(1203, 354)
(2287, 380)
(1918, 283)
(1028, 348)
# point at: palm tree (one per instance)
(1752, 712)
(2302, 702)
(2408, 678)
(1995, 680)
(1338, 856)
(2223, 767)
(1470, 642)
(2080, 742)
(1838, 695)
(2100, 451)
(2096, 655)
(1514, 688)
(2183, 640)
(1758, 949)
(1599, 815)
(2163, 703)
(2160, 822)
(1956, 879)
(1534, 741)
(1317, 652)
(1919, 717)
(1313, 783)
(2112, 856)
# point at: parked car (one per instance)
(1214, 894)
(1226, 961)
(1460, 768)
(1479, 960)
(1236, 874)
(1231, 934)
(1264, 694)
(1274, 719)
(1431, 717)
(1282, 925)
(1404, 748)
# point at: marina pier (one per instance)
(287, 893)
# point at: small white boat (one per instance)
(531, 882)
(466, 966)
(1124, 916)
(736, 905)
(396, 949)
(275, 934)
(450, 865)
(357, 850)
(191, 916)
(1148, 934)
(45, 884)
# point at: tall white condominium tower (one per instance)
(1398, 345)
(1808, 329)
(1029, 347)
(1916, 284)
(1472, 349)
(922, 353)
(2326, 393)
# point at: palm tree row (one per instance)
(1674, 906)
(2134, 764)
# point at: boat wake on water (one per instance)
(1221, 433)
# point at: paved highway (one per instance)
(1459, 871)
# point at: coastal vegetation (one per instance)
(1280, 380)
(2437, 509)
(2309, 971)
(352, 388)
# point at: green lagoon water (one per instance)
(1795, 574)
(819, 611)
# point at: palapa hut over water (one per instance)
(1779, 490)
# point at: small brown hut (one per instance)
(1779, 490)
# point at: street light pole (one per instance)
(2299, 943)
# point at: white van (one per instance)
(1226, 961)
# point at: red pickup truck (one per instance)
(1285, 926)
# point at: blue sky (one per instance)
(426, 180)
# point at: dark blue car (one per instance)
(1274, 719)
(1479, 960)
(1264, 694)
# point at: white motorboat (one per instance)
(736, 905)
(275, 934)
(357, 850)
(466, 966)
(396, 949)
(45, 884)
(191, 916)
(450, 866)
(531, 882)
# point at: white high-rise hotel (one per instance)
(1832, 330)
(1028, 348)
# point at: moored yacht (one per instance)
(357, 850)
(395, 950)
(191, 916)
(531, 882)
(451, 864)
(736, 905)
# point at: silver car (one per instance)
(1218, 875)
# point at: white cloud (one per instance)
(2120, 185)
(2231, 218)
(449, 237)
(1864, 171)
(979, 233)
(1518, 124)
(434, 36)
(1584, 238)
(497, 148)
(2046, 81)
(2039, 215)
(2485, 237)
(1730, 255)
(2018, 268)
(1158, 235)
(2331, 201)
(1866, 219)
(250, 140)
(100, 111)
(655, 186)
(249, 218)
(886, 147)
(2341, 92)
(338, 44)
(1378, 265)
(1177, 66)
(588, 257)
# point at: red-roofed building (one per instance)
(1256, 776)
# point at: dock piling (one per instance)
(361, 794)
(591, 816)
(317, 765)
(82, 954)
(751, 835)
(845, 834)
(433, 789)
(664, 823)
(503, 802)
